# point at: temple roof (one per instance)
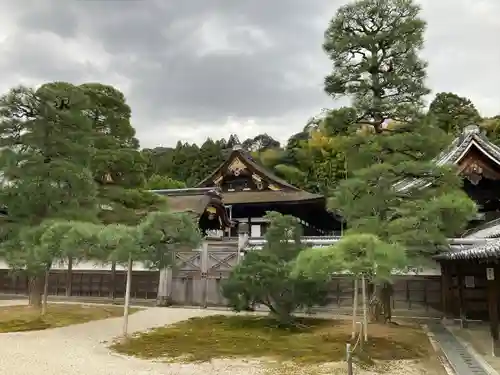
(276, 189)
(195, 200)
(489, 249)
(490, 229)
(471, 137)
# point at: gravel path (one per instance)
(82, 350)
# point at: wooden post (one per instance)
(446, 290)
(127, 296)
(204, 274)
(69, 277)
(112, 288)
(354, 307)
(170, 280)
(461, 298)
(492, 273)
(243, 230)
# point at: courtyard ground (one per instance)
(20, 318)
(83, 349)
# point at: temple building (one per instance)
(249, 191)
(204, 203)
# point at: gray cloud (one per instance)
(203, 68)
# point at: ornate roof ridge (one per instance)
(454, 152)
(247, 157)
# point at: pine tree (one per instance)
(46, 156)
(393, 189)
(266, 276)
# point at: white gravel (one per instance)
(82, 350)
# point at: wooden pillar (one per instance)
(204, 274)
(243, 233)
(69, 277)
(446, 290)
(492, 279)
(112, 287)
(462, 311)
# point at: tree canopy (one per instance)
(453, 113)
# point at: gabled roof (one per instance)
(284, 192)
(247, 159)
(454, 154)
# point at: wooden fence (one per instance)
(413, 293)
(87, 283)
(196, 279)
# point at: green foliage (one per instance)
(453, 113)
(260, 143)
(356, 253)
(118, 167)
(375, 198)
(46, 156)
(491, 126)
(374, 47)
(157, 182)
(36, 248)
(118, 243)
(160, 233)
(46, 161)
(187, 162)
(339, 121)
(265, 277)
(318, 263)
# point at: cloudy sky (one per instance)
(197, 68)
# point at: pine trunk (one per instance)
(35, 290)
(69, 277)
(380, 303)
(386, 292)
(45, 292)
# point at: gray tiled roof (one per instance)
(454, 153)
(490, 249)
(490, 229)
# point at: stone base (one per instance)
(496, 348)
(163, 302)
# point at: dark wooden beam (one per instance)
(446, 291)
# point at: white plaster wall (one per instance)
(88, 266)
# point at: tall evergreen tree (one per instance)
(46, 155)
(374, 47)
(393, 189)
(117, 165)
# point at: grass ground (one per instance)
(317, 341)
(25, 318)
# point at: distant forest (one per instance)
(311, 159)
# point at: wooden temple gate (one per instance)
(195, 278)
